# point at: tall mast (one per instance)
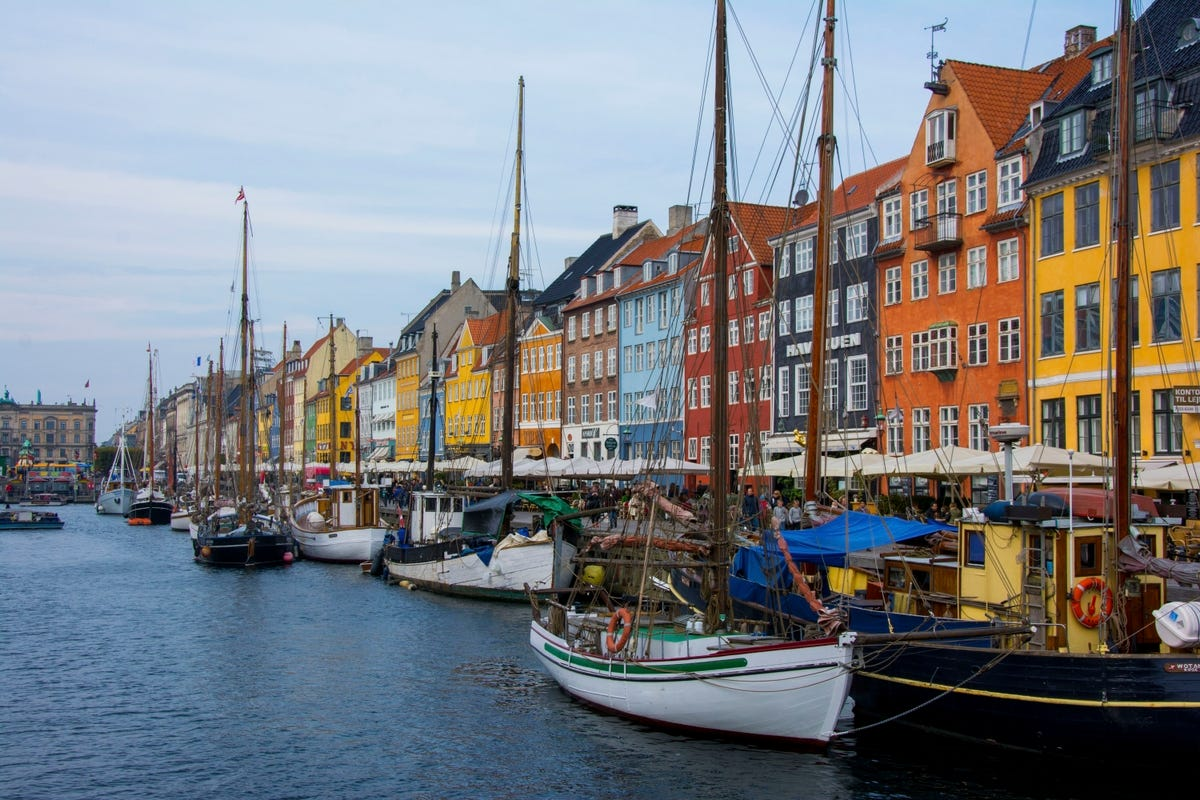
(718, 602)
(149, 457)
(514, 278)
(279, 412)
(209, 389)
(220, 408)
(245, 455)
(332, 409)
(816, 374)
(434, 374)
(357, 430)
(196, 440)
(1122, 361)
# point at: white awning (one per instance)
(850, 440)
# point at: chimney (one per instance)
(624, 218)
(678, 218)
(341, 322)
(1078, 39)
(454, 281)
(568, 261)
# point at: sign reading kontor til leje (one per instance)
(1186, 399)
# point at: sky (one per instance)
(376, 141)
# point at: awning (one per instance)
(378, 454)
(526, 452)
(850, 440)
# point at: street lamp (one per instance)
(1008, 434)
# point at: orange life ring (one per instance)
(1098, 609)
(620, 617)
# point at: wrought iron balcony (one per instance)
(939, 233)
(940, 153)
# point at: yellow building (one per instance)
(315, 423)
(468, 387)
(408, 414)
(1073, 256)
(348, 420)
(539, 387)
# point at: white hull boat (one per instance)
(460, 567)
(342, 528)
(740, 686)
(115, 501)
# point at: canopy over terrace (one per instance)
(613, 468)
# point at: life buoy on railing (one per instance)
(1099, 605)
(621, 618)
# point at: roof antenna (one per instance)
(935, 66)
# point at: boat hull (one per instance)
(1047, 702)
(262, 543)
(157, 511)
(787, 693)
(21, 520)
(341, 546)
(181, 520)
(115, 501)
(465, 568)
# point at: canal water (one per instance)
(129, 671)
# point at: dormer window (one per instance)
(1071, 139)
(647, 271)
(1102, 68)
(940, 136)
(672, 263)
(1189, 33)
(733, 244)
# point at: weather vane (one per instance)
(934, 67)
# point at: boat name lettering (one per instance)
(832, 343)
(1182, 666)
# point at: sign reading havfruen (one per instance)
(1186, 399)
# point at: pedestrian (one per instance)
(750, 508)
(795, 515)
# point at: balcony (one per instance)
(939, 233)
(1155, 121)
(940, 153)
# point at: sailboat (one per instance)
(344, 525)
(1104, 665)
(149, 505)
(624, 641)
(483, 556)
(121, 483)
(241, 534)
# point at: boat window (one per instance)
(1087, 555)
(431, 504)
(975, 548)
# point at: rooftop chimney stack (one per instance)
(455, 281)
(1078, 39)
(624, 218)
(678, 218)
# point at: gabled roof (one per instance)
(685, 239)
(756, 224)
(1000, 96)
(596, 256)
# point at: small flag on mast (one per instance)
(241, 195)
(87, 383)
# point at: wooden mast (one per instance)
(719, 605)
(332, 409)
(434, 374)
(826, 144)
(148, 457)
(220, 408)
(279, 422)
(512, 285)
(246, 456)
(358, 509)
(1122, 358)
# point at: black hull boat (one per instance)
(153, 512)
(1044, 702)
(261, 542)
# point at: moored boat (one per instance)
(29, 520)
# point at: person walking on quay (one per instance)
(750, 508)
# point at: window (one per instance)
(783, 257)
(627, 313)
(948, 424)
(599, 406)
(733, 387)
(943, 347)
(1052, 224)
(832, 306)
(895, 433)
(976, 548)
(734, 333)
(585, 365)
(1168, 425)
(585, 322)
(893, 355)
(1134, 321)
(785, 391)
(705, 338)
(947, 273)
(939, 136)
(1087, 214)
(1146, 110)
(612, 317)
(748, 324)
(735, 450)
(1087, 408)
(691, 342)
(977, 192)
(921, 423)
(918, 209)
(856, 240)
(764, 388)
(705, 449)
(570, 410)
(612, 361)
(705, 294)
(732, 287)
(920, 351)
(1164, 196)
(804, 255)
(748, 386)
(1052, 323)
(977, 267)
(570, 369)
(831, 383)
(1087, 317)
(802, 375)
(977, 426)
(1009, 177)
(1071, 137)
(920, 280)
(804, 313)
(748, 283)
(692, 448)
(1010, 339)
(856, 375)
(1165, 316)
(977, 344)
(891, 285)
(598, 319)
(1008, 260)
(1054, 422)
(585, 409)
(892, 223)
(571, 329)
(705, 391)
(785, 317)
(856, 302)
(1102, 69)
(764, 325)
